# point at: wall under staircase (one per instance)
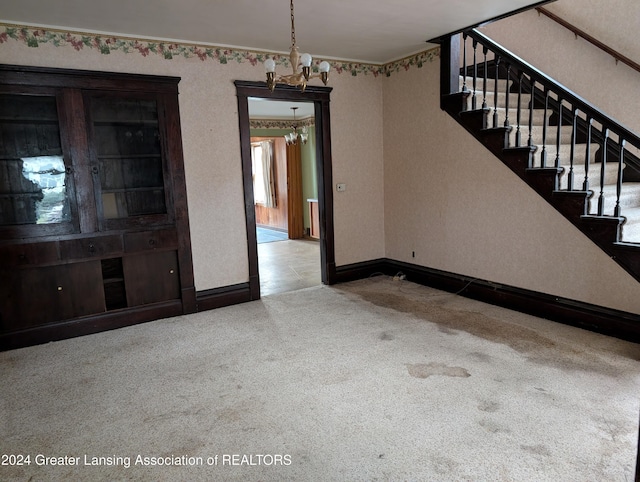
(453, 208)
(470, 218)
(582, 162)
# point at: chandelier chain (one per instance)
(293, 28)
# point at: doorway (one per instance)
(285, 192)
(319, 98)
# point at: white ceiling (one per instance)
(367, 31)
(274, 109)
(361, 30)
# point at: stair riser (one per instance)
(578, 160)
(502, 84)
(611, 177)
(631, 226)
(631, 233)
(538, 117)
(537, 134)
(513, 100)
(629, 198)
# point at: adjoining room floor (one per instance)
(288, 265)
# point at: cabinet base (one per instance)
(89, 324)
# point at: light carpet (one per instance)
(371, 380)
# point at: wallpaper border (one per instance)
(34, 36)
(279, 123)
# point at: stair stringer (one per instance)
(603, 231)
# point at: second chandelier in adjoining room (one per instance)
(295, 135)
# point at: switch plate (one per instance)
(341, 187)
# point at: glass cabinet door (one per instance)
(36, 191)
(129, 167)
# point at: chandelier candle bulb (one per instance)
(305, 60)
(270, 65)
(324, 71)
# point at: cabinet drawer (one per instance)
(148, 240)
(28, 254)
(89, 247)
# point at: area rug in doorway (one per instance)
(266, 235)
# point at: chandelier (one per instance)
(299, 77)
(293, 136)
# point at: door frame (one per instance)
(320, 98)
(295, 216)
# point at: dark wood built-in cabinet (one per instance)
(94, 229)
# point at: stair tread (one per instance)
(627, 244)
(631, 227)
(627, 186)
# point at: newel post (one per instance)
(449, 66)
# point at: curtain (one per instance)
(268, 175)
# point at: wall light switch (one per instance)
(340, 187)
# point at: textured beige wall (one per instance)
(577, 64)
(358, 162)
(208, 110)
(614, 22)
(461, 210)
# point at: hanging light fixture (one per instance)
(300, 64)
(293, 136)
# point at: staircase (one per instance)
(585, 164)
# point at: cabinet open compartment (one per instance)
(115, 293)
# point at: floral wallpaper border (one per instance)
(279, 123)
(33, 37)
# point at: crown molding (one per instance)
(34, 36)
(280, 123)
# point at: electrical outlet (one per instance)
(341, 187)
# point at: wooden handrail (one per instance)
(552, 85)
(581, 33)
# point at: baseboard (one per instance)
(205, 300)
(89, 325)
(616, 323)
(591, 317)
(225, 296)
(365, 269)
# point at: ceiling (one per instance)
(278, 110)
(375, 32)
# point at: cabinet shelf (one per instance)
(133, 189)
(18, 194)
(107, 281)
(124, 157)
(124, 123)
(42, 153)
(28, 120)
